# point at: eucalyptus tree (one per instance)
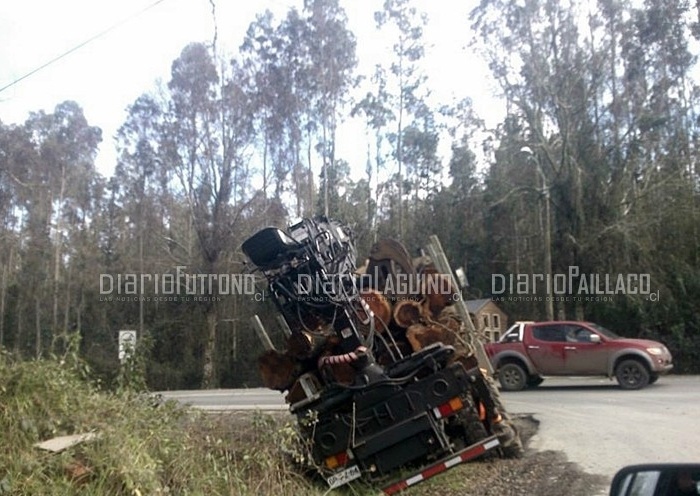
(406, 90)
(59, 181)
(331, 47)
(420, 151)
(16, 153)
(300, 70)
(259, 54)
(605, 110)
(207, 131)
(142, 180)
(461, 203)
(375, 110)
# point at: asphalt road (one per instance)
(597, 425)
(229, 399)
(603, 428)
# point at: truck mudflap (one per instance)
(464, 455)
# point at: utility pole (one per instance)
(549, 303)
(546, 231)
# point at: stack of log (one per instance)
(416, 319)
(412, 306)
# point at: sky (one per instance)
(106, 75)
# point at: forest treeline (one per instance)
(593, 167)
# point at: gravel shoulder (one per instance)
(536, 473)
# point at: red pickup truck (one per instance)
(529, 351)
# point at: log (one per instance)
(438, 291)
(300, 345)
(420, 335)
(407, 313)
(414, 334)
(277, 370)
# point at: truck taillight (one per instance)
(448, 408)
(337, 460)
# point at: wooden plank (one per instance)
(61, 443)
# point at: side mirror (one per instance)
(594, 338)
(661, 479)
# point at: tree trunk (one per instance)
(18, 335)
(57, 253)
(209, 368)
(3, 293)
(37, 322)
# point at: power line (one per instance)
(80, 45)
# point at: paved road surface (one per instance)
(230, 399)
(603, 428)
(597, 425)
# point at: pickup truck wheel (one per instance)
(632, 374)
(512, 377)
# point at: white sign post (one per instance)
(127, 344)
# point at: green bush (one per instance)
(143, 446)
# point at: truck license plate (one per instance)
(337, 480)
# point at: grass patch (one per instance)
(144, 447)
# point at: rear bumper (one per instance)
(450, 461)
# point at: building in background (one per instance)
(489, 320)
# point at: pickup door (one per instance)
(566, 349)
(544, 344)
(583, 355)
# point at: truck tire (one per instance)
(508, 435)
(512, 377)
(631, 374)
(469, 426)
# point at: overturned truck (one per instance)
(381, 364)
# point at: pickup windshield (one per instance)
(605, 332)
(512, 335)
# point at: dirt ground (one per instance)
(538, 473)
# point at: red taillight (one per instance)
(337, 460)
(448, 408)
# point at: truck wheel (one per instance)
(631, 374)
(534, 380)
(467, 425)
(508, 435)
(512, 377)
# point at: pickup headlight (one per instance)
(655, 351)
